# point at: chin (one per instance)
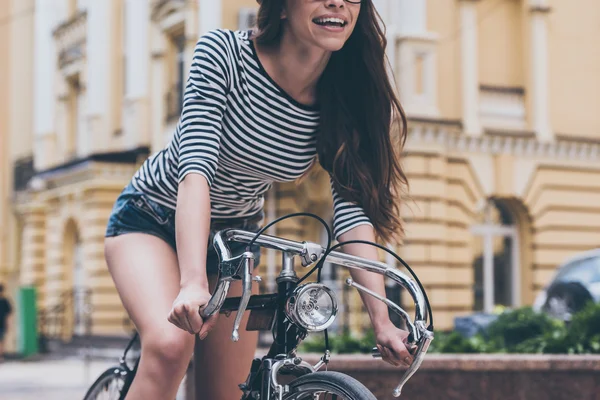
(331, 44)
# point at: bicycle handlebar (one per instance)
(241, 267)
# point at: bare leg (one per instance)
(222, 364)
(146, 274)
(1, 350)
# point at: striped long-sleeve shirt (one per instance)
(239, 130)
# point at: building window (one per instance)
(420, 74)
(81, 301)
(496, 265)
(501, 69)
(174, 98)
(393, 291)
(74, 120)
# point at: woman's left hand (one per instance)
(393, 346)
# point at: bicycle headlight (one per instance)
(312, 306)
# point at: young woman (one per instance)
(309, 84)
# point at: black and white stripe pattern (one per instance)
(241, 132)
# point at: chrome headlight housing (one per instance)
(312, 306)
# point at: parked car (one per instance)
(576, 282)
(471, 325)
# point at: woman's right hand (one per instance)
(185, 313)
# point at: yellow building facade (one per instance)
(503, 150)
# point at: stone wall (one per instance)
(480, 376)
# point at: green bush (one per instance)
(584, 330)
(524, 331)
(521, 330)
(454, 342)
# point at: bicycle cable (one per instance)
(329, 249)
(299, 214)
(319, 264)
(397, 257)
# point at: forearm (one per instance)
(192, 222)
(378, 311)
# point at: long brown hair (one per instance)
(358, 112)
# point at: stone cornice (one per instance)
(112, 166)
(25, 205)
(87, 176)
(88, 171)
(523, 144)
(433, 122)
(126, 156)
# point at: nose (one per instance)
(335, 3)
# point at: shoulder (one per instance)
(221, 47)
(220, 42)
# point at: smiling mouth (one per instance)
(335, 22)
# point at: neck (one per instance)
(296, 66)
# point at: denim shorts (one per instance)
(135, 212)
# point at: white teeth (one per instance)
(334, 20)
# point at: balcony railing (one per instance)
(162, 8)
(70, 316)
(71, 39)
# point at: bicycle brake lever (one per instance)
(228, 272)
(247, 280)
(418, 332)
(393, 306)
(217, 299)
(422, 347)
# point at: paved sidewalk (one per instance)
(55, 378)
(64, 379)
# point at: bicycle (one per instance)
(114, 383)
(295, 311)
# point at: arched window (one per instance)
(77, 284)
(496, 266)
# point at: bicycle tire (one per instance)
(113, 374)
(335, 383)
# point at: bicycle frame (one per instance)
(262, 378)
(130, 372)
(285, 340)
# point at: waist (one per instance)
(251, 222)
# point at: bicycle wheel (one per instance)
(109, 386)
(327, 385)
